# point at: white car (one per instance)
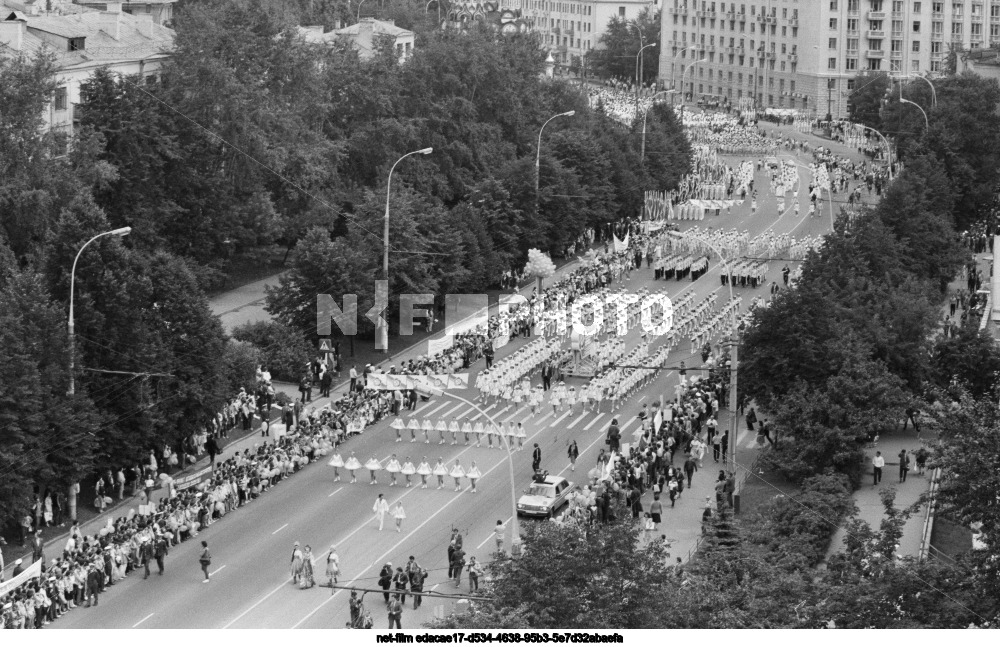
(544, 496)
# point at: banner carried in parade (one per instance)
(621, 245)
(435, 346)
(393, 382)
(35, 570)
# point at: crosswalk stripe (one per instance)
(544, 418)
(513, 415)
(423, 405)
(446, 415)
(559, 419)
(438, 408)
(627, 424)
(576, 421)
(594, 421)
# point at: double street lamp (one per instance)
(639, 63)
(383, 325)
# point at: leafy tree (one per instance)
(46, 438)
(596, 577)
(620, 43)
(866, 99)
(970, 359)
(281, 349)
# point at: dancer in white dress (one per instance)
(373, 465)
(424, 470)
(336, 463)
(427, 427)
(408, 470)
(457, 473)
(473, 475)
(393, 468)
(398, 425)
(351, 465)
(441, 427)
(466, 429)
(414, 426)
(399, 514)
(440, 471)
(521, 434)
(492, 432)
(478, 430)
(454, 428)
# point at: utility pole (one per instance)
(734, 422)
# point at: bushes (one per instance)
(804, 525)
(283, 350)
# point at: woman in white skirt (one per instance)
(424, 470)
(554, 397)
(351, 465)
(473, 475)
(507, 395)
(336, 462)
(535, 399)
(492, 432)
(466, 429)
(393, 467)
(478, 430)
(399, 514)
(571, 399)
(521, 434)
(441, 427)
(457, 473)
(454, 428)
(518, 397)
(408, 470)
(398, 425)
(440, 471)
(373, 466)
(427, 426)
(414, 427)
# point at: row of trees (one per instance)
(255, 137)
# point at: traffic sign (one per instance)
(325, 346)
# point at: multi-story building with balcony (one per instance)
(803, 54)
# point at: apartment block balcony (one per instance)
(875, 53)
(875, 33)
(876, 15)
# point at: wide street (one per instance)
(252, 547)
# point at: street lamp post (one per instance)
(672, 83)
(427, 6)
(383, 332)
(684, 73)
(927, 124)
(642, 155)
(359, 9)
(70, 329)
(911, 75)
(538, 150)
(638, 71)
(515, 534)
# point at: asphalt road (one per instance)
(252, 546)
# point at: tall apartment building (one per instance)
(571, 29)
(803, 54)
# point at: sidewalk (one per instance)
(868, 499)
(55, 538)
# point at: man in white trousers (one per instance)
(380, 509)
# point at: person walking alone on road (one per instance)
(399, 514)
(380, 509)
(536, 458)
(904, 465)
(332, 566)
(573, 453)
(160, 551)
(205, 560)
(877, 464)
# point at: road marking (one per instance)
(545, 417)
(576, 420)
(142, 621)
(512, 416)
(216, 570)
(335, 491)
(438, 408)
(594, 421)
(741, 436)
(491, 535)
(451, 411)
(283, 527)
(383, 556)
(559, 419)
(423, 405)
(627, 424)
